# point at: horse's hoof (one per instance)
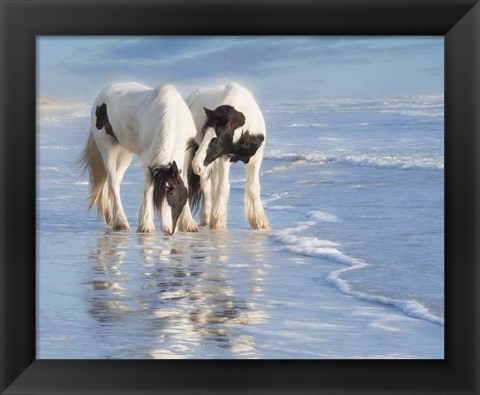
(193, 228)
(218, 223)
(121, 227)
(146, 229)
(260, 222)
(190, 227)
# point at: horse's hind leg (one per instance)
(117, 160)
(107, 205)
(123, 162)
(253, 205)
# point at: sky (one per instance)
(274, 68)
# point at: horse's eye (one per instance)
(214, 141)
(171, 193)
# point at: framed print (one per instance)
(316, 231)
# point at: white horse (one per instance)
(230, 128)
(156, 125)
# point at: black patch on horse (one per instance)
(246, 146)
(224, 119)
(103, 121)
(218, 146)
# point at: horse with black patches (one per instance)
(230, 128)
(131, 119)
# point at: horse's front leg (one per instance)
(206, 187)
(146, 214)
(221, 193)
(186, 223)
(253, 205)
(117, 162)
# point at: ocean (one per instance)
(353, 266)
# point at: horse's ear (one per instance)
(208, 113)
(97, 111)
(174, 169)
(152, 170)
(236, 120)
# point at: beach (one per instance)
(353, 266)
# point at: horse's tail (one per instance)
(194, 191)
(92, 162)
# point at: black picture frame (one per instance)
(21, 21)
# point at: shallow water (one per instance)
(352, 268)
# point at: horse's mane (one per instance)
(194, 187)
(166, 109)
(160, 175)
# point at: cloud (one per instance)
(145, 49)
(289, 65)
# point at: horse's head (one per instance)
(218, 131)
(169, 194)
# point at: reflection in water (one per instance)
(187, 296)
(107, 298)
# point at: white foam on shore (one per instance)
(279, 208)
(410, 307)
(425, 106)
(397, 161)
(55, 113)
(274, 197)
(307, 125)
(326, 249)
(54, 147)
(388, 161)
(322, 216)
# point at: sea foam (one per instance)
(404, 162)
(327, 249)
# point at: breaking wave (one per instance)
(390, 161)
(326, 249)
